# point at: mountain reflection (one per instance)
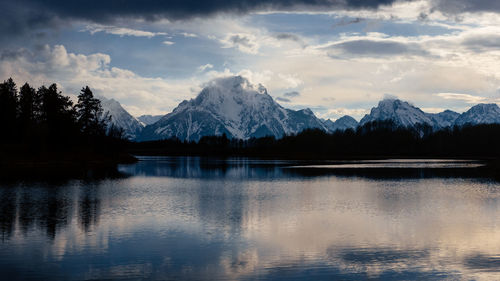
(205, 168)
(242, 168)
(202, 219)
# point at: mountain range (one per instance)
(403, 114)
(238, 109)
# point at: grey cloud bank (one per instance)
(367, 47)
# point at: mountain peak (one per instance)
(393, 104)
(346, 118)
(307, 111)
(343, 123)
(121, 118)
(485, 107)
(483, 113)
(400, 112)
(444, 119)
(234, 106)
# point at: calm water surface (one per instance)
(240, 219)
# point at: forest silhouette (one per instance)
(374, 140)
(44, 125)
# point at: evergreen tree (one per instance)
(56, 112)
(54, 104)
(27, 105)
(8, 107)
(89, 113)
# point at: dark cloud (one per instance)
(423, 16)
(23, 15)
(461, 6)
(283, 99)
(12, 54)
(346, 21)
(481, 43)
(19, 16)
(288, 36)
(179, 9)
(291, 94)
(18, 19)
(367, 48)
(291, 37)
(287, 96)
(241, 40)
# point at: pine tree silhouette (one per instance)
(90, 114)
(27, 106)
(8, 109)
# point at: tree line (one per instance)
(44, 123)
(379, 139)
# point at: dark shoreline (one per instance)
(60, 167)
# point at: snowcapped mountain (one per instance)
(121, 118)
(343, 123)
(400, 112)
(149, 119)
(231, 106)
(444, 119)
(405, 115)
(480, 114)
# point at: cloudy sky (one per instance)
(336, 57)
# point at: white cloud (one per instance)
(336, 113)
(121, 31)
(464, 97)
(188, 35)
(141, 95)
(205, 67)
(292, 80)
(435, 109)
(168, 43)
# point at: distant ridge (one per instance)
(149, 119)
(343, 123)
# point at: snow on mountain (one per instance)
(342, 124)
(149, 119)
(234, 107)
(480, 114)
(444, 119)
(121, 118)
(400, 112)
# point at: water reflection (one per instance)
(244, 169)
(206, 219)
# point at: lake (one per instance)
(241, 219)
